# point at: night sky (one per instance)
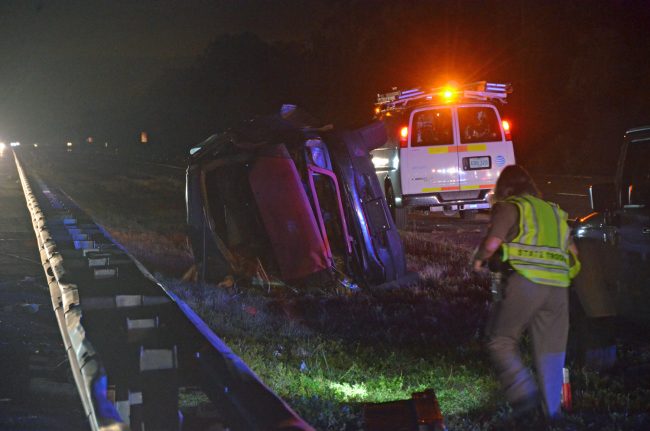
(185, 69)
(62, 58)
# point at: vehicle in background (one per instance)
(614, 241)
(445, 149)
(283, 197)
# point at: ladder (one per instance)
(480, 90)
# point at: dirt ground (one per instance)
(36, 387)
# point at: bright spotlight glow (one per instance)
(380, 162)
(15, 144)
(448, 94)
(348, 391)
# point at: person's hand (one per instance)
(479, 266)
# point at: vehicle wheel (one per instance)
(399, 214)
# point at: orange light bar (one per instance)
(587, 217)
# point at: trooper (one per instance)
(531, 238)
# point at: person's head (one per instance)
(515, 181)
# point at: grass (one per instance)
(328, 353)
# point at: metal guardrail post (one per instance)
(152, 397)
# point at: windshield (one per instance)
(432, 127)
(478, 124)
(636, 173)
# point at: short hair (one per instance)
(515, 181)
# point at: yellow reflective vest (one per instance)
(540, 251)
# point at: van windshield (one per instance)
(432, 127)
(478, 124)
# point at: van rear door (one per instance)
(483, 151)
(429, 163)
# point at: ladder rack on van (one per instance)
(481, 90)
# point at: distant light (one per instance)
(89, 139)
(377, 110)
(15, 144)
(144, 138)
(2, 146)
(105, 144)
(69, 144)
(35, 145)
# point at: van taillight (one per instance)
(506, 129)
(403, 136)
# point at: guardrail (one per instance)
(131, 342)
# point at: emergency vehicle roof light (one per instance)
(480, 90)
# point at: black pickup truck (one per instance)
(614, 240)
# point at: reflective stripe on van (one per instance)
(457, 148)
(456, 188)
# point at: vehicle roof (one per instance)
(478, 92)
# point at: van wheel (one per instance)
(399, 214)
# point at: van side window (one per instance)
(478, 124)
(432, 127)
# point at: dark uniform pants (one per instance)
(544, 311)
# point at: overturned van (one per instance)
(282, 198)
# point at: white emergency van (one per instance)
(445, 150)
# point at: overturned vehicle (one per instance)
(282, 199)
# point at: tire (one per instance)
(399, 214)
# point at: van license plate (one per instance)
(471, 163)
